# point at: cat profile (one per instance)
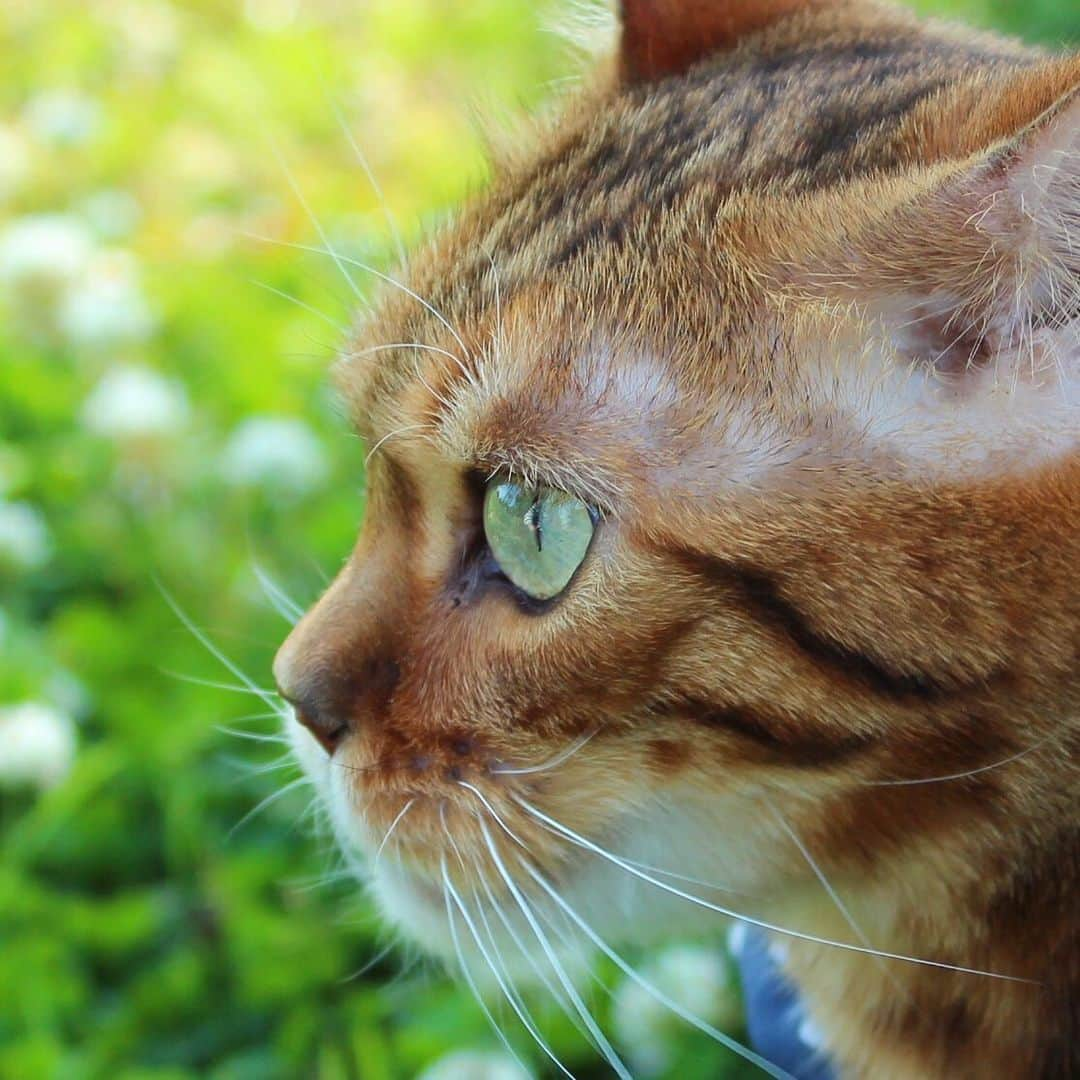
(724, 524)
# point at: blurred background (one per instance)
(168, 907)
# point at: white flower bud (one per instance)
(37, 745)
(24, 536)
(106, 308)
(135, 402)
(694, 977)
(43, 250)
(62, 117)
(276, 453)
(475, 1065)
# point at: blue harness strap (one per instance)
(778, 1025)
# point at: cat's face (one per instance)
(735, 426)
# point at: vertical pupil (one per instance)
(532, 521)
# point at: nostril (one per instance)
(327, 730)
(327, 727)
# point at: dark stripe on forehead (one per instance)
(812, 115)
(827, 145)
(804, 115)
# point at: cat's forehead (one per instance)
(622, 200)
(583, 383)
(652, 294)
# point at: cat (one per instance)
(724, 525)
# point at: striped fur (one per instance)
(789, 297)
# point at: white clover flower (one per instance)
(276, 453)
(695, 978)
(15, 161)
(62, 117)
(44, 250)
(475, 1065)
(135, 402)
(111, 213)
(106, 308)
(25, 541)
(37, 745)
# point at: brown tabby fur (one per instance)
(662, 306)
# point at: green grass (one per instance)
(143, 931)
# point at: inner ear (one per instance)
(666, 37)
(949, 339)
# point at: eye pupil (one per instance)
(532, 520)
(539, 536)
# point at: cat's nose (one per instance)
(319, 710)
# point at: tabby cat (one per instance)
(724, 525)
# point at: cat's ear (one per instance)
(665, 37)
(987, 254)
(964, 278)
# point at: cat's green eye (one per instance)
(539, 536)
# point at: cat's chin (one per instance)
(416, 905)
(619, 912)
(616, 906)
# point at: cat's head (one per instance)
(718, 457)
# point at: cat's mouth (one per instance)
(441, 850)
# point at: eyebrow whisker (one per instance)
(376, 187)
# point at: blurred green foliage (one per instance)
(148, 926)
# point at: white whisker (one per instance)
(271, 798)
(467, 973)
(554, 763)
(669, 1003)
(400, 345)
(391, 222)
(283, 604)
(339, 327)
(377, 959)
(387, 279)
(832, 893)
(494, 813)
(389, 832)
(606, 1048)
(214, 650)
(588, 845)
(249, 717)
(315, 221)
(498, 306)
(213, 684)
(511, 996)
(252, 736)
(557, 995)
(391, 435)
(287, 762)
(960, 775)
(684, 877)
